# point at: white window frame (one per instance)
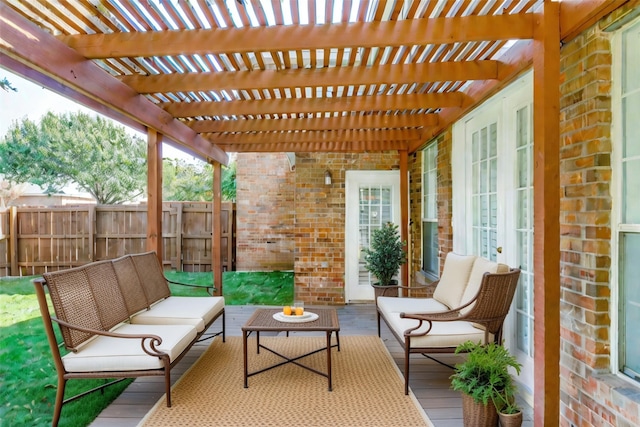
(433, 145)
(616, 212)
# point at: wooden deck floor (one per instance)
(429, 380)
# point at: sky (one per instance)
(34, 101)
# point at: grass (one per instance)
(240, 287)
(27, 375)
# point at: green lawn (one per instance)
(27, 375)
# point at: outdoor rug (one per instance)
(367, 388)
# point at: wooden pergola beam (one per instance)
(314, 136)
(314, 105)
(514, 62)
(287, 38)
(354, 121)
(578, 15)
(24, 42)
(546, 215)
(319, 147)
(334, 76)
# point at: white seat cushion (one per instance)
(118, 354)
(410, 305)
(181, 311)
(480, 266)
(442, 335)
(455, 277)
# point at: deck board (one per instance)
(429, 380)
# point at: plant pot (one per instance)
(510, 420)
(476, 414)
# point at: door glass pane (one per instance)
(375, 209)
(630, 304)
(524, 230)
(484, 196)
(493, 139)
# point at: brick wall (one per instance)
(265, 212)
(320, 221)
(590, 393)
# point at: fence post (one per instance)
(179, 266)
(13, 240)
(92, 232)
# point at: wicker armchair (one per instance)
(484, 314)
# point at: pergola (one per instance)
(223, 76)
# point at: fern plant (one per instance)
(485, 374)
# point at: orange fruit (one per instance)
(299, 311)
(286, 310)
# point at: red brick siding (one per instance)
(320, 221)
(265, 212)
(590, 394)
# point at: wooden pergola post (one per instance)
(546, 242)
(216, 226)
(404, 211)
(154, 192)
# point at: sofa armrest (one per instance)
(148, 342)
(210, 289)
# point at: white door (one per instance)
(493, 201)
(519, 222)
(372, 199)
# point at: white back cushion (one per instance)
(480, 266)
(455, 277)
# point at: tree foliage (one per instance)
(183, 181)
(95, 154)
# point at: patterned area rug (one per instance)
(367, 388)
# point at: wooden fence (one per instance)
(35, 240)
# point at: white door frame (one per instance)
(354, 291)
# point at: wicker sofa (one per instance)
(119, 320)
(470, 302)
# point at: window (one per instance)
(628, 187)
(430, 211)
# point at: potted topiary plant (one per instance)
(484, 381)
(384, 257)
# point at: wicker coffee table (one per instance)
(262, 321)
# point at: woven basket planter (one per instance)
(478, 415)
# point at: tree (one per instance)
(95, 154)
(183, 181)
